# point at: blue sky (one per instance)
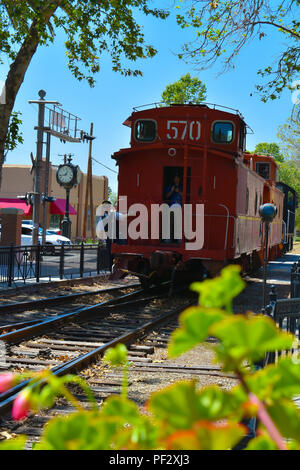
(111, 101)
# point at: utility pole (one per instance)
(89, 189)
(38, 163)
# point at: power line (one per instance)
(104, 165)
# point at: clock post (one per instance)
(66, 223)
(68, 176)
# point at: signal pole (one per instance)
(38, 163)
(46, 188)
(63, 125)
(267, 213)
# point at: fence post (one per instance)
(62, 261)
(81, 267)
(11, 265)
(108, 253)
(273, 294)
(98, 257)
(37, 262)
(269, 311)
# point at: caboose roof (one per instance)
(194, 109)
(264, 158)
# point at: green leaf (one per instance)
(207, 436)
(46, 398)
(175, 405)
(14, 444)
(195, 324)
(286, 416)
(125, 409)
(116, 356)
(79, 431)
(135, 430)
(281, 380)
(213, 403)
(248, 338)
(220, 291)
(262, 443)
(180, 406)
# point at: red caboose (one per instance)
(203, 149)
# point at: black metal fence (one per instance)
(23, 263)
(295, 280)
(286, 313)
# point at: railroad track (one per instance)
(18, 314)
(143, 328)
(73, 340)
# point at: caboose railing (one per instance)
(201, 103)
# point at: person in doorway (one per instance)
(174, 197)
(174, 192)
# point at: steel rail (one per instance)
(39, 303)
(88, 358)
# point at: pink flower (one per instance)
(6, 381)
(21, 405)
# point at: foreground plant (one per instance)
(182, 416)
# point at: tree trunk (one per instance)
(16, 74)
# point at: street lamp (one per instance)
(267, 213)
(67, 176)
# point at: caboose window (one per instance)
(263, 169)
(222, 132)
(145, 130)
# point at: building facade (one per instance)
(17, 180)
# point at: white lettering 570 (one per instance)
(178, 130)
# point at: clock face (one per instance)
(65, 174)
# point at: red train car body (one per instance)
(205, 146)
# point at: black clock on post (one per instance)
(68, 176)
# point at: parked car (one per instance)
(53, 241)
(54, 231)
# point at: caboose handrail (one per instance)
(227, 221)
(285, 236)
(201, 103)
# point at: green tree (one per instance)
(91, 28)
(224, 27)
(288, 172)
(112, 196)
(186, 89)
(289, 134)
(14, 137)
(264, 148)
